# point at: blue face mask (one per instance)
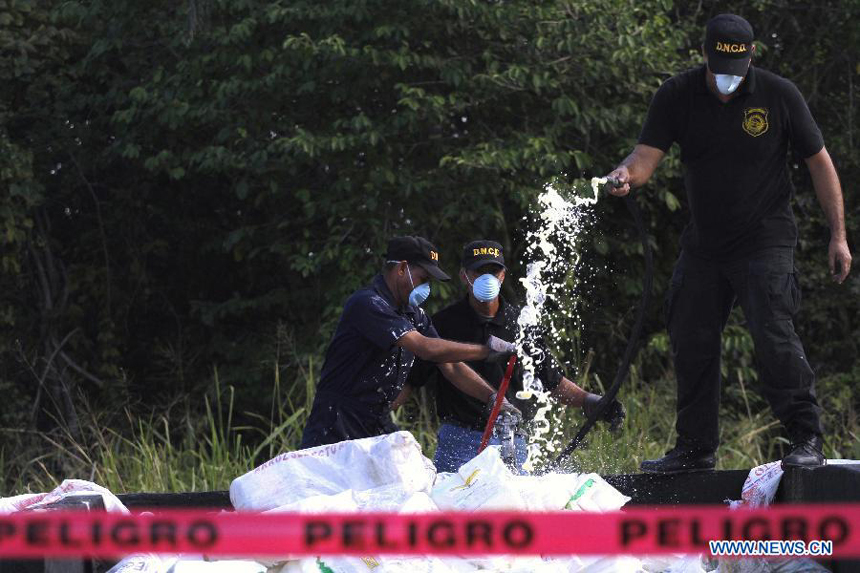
(486, 287)
(727, 84)
(419, 293)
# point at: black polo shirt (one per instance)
(735, 155)
(364, 370)
(460, 322)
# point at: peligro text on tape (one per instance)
(671, 531)
(76, 530)
(440, 534)
(632, 531)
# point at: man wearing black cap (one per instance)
(734, 124)
(481, 314)
(381, 330)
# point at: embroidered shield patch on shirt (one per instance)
(755, 120)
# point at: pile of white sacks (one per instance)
(389, 473)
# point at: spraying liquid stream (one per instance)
(553, 260)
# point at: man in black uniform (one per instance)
(482, 313)
(734, 123)
(381, 331)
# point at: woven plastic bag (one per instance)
(359, 465)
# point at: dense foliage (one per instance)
(197, 186)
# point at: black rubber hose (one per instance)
(632, 342)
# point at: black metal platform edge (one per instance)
(195, 500)
(698, 488)
(828, 484)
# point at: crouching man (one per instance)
(381, 331)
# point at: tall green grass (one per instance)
(188, 449)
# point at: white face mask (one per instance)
(486, 287)
(419, 293)
(726, 83)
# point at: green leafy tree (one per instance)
(183, 183)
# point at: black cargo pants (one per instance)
(701, 295)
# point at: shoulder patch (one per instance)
(755, 121)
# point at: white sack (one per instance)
(188, 565)
(365, 565)
(339, 502)
(418, 502)
(762, 482)
(510, 564)
(386, 498)
(592, 493)
(691, 564)
(143, 564)
(578, 492)
(549, 492)
(760, 486)
(412, 565)
(302, 566)
(69, 487)
(484, 483)
(622, 564)
(667, 563)
(357, 465)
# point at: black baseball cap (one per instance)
(479, 253)
(728, 44)
(416, 250)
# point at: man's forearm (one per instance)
(636, 177)
(441, 350)
(636, 169)
(569, 393)
(467, 380)
(829, 192)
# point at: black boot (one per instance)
(680, 459)
(805, 453)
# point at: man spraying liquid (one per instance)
(734, 124)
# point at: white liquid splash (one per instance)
(552, 254)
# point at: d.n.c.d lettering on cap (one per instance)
(728, 44)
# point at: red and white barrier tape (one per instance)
(638, 531)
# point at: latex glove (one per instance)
(505, 407)
(613, 414)
(500, 350)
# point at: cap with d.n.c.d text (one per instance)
(479, 253)
(728, 44)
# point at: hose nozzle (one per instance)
(613, 182)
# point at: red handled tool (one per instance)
(500, 396)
